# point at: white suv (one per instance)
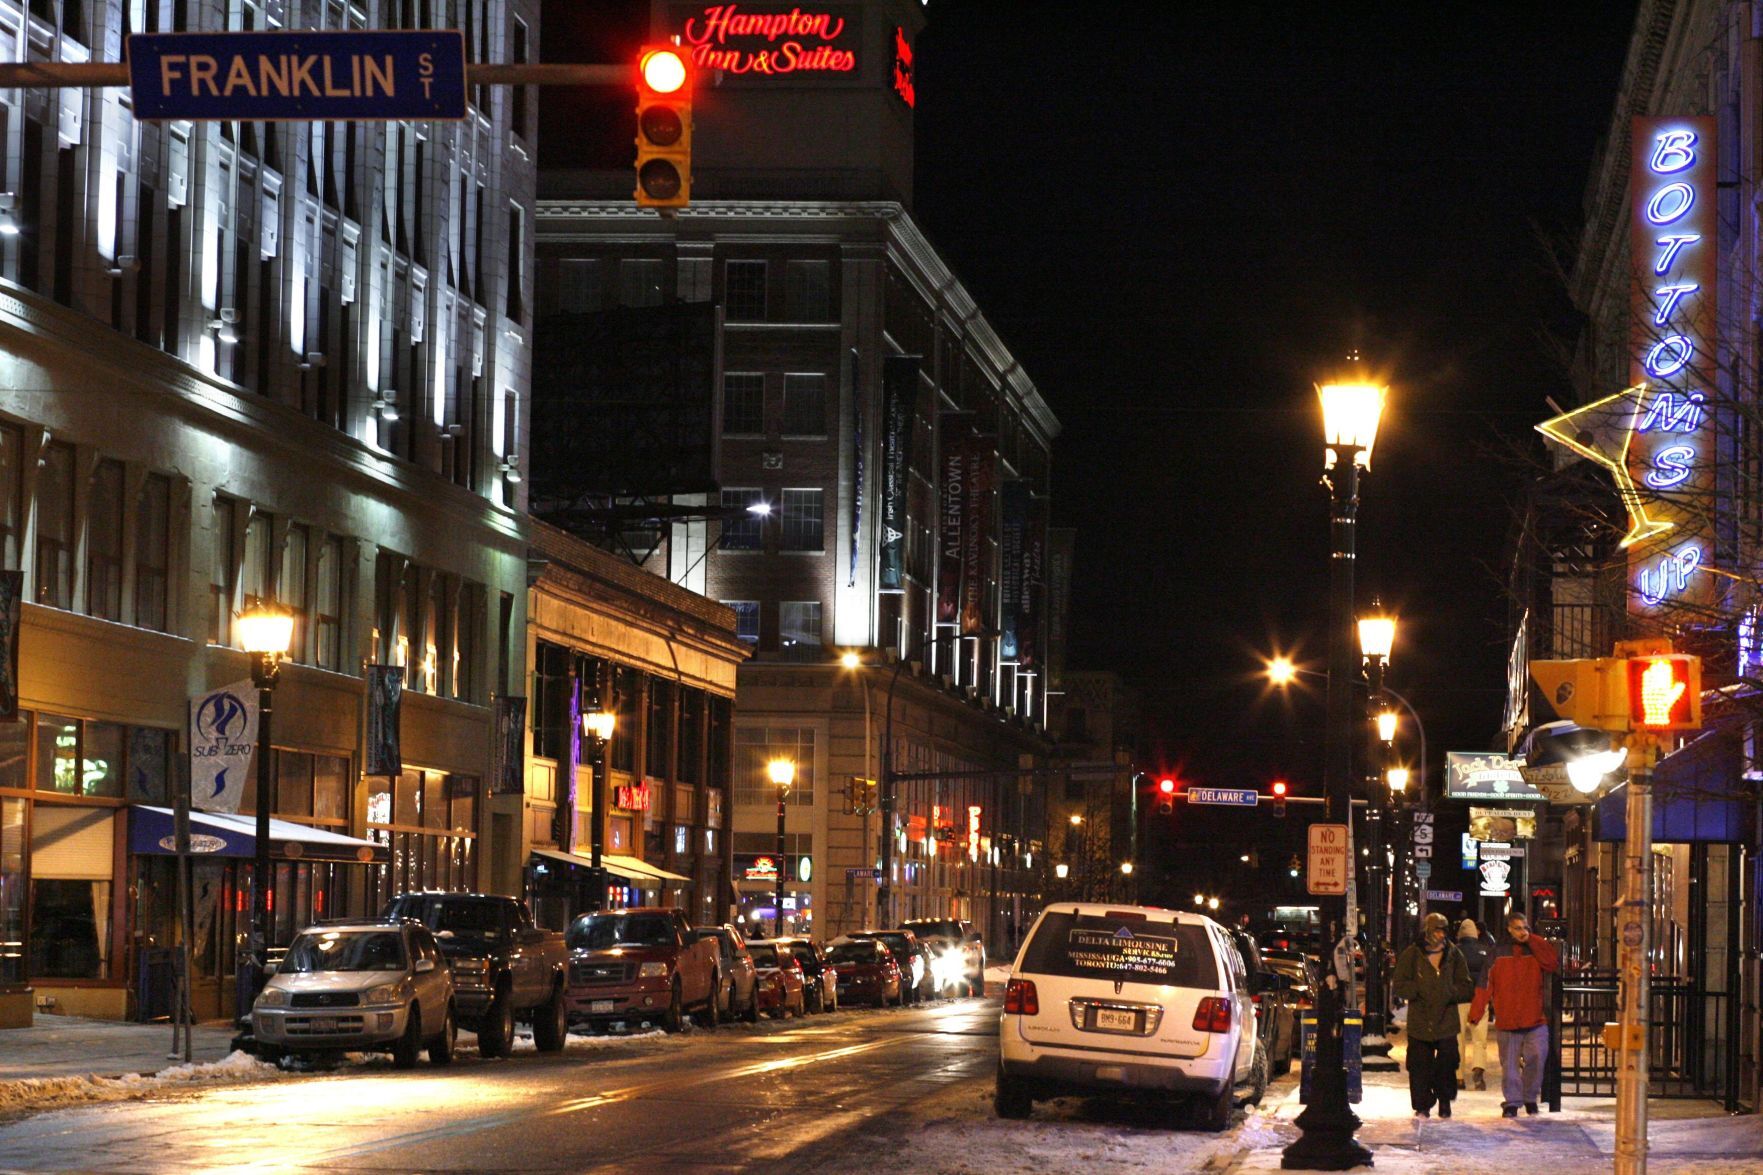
(1107, 998)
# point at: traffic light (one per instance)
(1165, 796)
(1665, 692)
(1588, 691)
(664, 127)
(1279, 798)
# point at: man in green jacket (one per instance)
(1433, 977)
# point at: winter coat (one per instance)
(1515, 987)
(1433, 995)
(1476, 954)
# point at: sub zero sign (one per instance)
(899, 395)
(1120, 951)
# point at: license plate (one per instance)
(598, 1006)
(1114, 1020)
(324, 1024)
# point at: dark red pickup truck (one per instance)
(640, 965)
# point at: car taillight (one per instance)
(1021, 998)
(1213, 1015)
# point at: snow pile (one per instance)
(38, 1093)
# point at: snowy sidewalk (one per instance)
(1685, 1136)
(74, 1046)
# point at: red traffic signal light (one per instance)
(1279, 787)
(1665, 692)
(1166, 786)
(1279, 798)
(664, 127)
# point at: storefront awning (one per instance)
(629, 868)
(1698, 796)
(216, 834)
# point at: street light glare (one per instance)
(850, 660)
(1281, 671)
(781, 771)
(1587, 772)
(1350, 414)
(1212, 903)
(1398, 778)
(762, 508)
(1377, 636)
(1386, 725)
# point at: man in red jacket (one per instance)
(1516, 991)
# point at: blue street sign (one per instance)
(360, 75)
(1229, 796)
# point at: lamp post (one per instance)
(266, 632)
(598, 723)
(1419, 776)
(783, 774)
(1377, 638)
(1075, 836)
(852, 661)
(1351, 408)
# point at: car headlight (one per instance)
(385, 993)
(272, 997)
(652, 971)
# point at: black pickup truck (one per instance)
(504, 967)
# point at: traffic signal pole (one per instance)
(1634, 935)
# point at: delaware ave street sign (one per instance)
(373, 75)
(1229, 796)
(1326, 863)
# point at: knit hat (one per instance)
(1435, 922)
(1467, 929)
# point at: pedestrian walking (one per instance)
(1472, 1042)
(1516, 993)
(1433, 977)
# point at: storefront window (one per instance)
(11, 889)
(58, 754)
(14, 743)
(330, 787)
(293, 784)
(71, 856)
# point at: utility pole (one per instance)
(1634, 930)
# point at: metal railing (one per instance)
(1690, 1037)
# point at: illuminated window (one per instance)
(55, 527)
(153, 552)
(104, 542)
(259, 567)
(804, 405)
(802, 526)
(743, 404)
(291, 587)
(743, 295)
(743, 531)
(222, 571)
(807, 291)
(799, 622)
(746, 619)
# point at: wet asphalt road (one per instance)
(824, 1093)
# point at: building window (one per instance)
(691, 736)
(327, 646)
(153, 553)
(801, 525)
(746, 619)
(799, 622)
(258, 567)
(55, 527)
(639, 281)
(291, 587)
(72, 869)
(466, 641)
(756, 746)
(104, 542)
(627, 690)
(578, 284)
(805, 405)
(11, 495)
(744, 291)
(743, 405)
(742, 531)
(807, 291)
(222, 575)
(516, 302)
(658, 763)
(551, 686)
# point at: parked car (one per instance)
(868, 971)
(782, 986)
(740, 980)
(1272, 992)
(358, 986)
(504, 967)
(821, 980)
(1107, 998)
(642, 965)
(913, 957)
(958, 954)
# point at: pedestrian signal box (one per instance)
(1654, 691)
(1665, 692)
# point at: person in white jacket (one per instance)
(1472, 1042)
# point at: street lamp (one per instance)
(1377, 639)
(1212, 903)
(599, 721)
(1126, 868)
(1351, 410)
(266, 630)
(1062, 871)
(1386, 725)
(783, 774)
(1281, 671)
(1398, 780)
(1199, 899)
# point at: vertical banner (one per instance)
(1671, 441)
(385, 697)
(1034, 587)
(223, 735)
(952, 475)
(856, 466)
(510, 735)
(11, 591)
(975, 525)
(899, 397)
(563, 820)
(1061, 549)
(1013, 583)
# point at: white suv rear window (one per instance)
(1131, 950)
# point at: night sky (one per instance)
(1178, 215)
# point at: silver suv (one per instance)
(359, 985)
